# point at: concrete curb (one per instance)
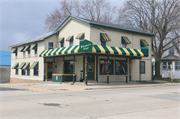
(39, 89)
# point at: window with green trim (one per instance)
(120, 67)
(105, 66)
(68, 66)
(35, 72)
(23, 72)
(142, 67)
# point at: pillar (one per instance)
(86, 59)
(126, 70)
(44, 69)
(108, 70)
(74, 69)
(96, 68)
(62, 68)
(53, 65)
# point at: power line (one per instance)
(22, 30)
(5, 2)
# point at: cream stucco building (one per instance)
(81, 49)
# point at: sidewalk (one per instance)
(79, 86)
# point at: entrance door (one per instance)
(50, 68)
(90, 67)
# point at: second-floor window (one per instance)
(35, 51)
(171, 51)
(80, 40)
(50, 45)
(124, 45)
(16, 54)
(29, 52)
(70, 43)
(62, 44)
(24, 53)
(103, 43)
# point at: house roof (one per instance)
(89, 22)
(34, 39)
(5, 58)
(106, 26)
(170, 57)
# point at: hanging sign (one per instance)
(85, 46)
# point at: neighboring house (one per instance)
(5, 65)
(170, 57)
(100, 51)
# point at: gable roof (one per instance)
(34, 39)
(104, 25)
(170, 57)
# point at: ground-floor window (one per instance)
(142, 67)
(23, 72)
(68, 67)
(105, 66)
(169, 64)
(35, 72)
(120, 67)
(164, 66)
(16, 72)
(28, 72)
(177, 65)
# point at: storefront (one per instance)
(90, 62)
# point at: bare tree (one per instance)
(160, 17)
(97, 10)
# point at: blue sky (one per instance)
(22, 19)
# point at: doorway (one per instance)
(90, 67)
(49, 71)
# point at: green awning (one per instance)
(125, 40)
(14, 50)
(15, 66)
(104, 37)
(34, 46)
(22, 49)
(70, 38)
(96, 49)
(61, 40)
(34, 65)
(143, 43)
(80, 36)
(27, 66)
(145, 51)
(27, 48)
(22, 65)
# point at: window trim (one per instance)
(48, 44)
(115, 67)
(112, 67)
(144, 67)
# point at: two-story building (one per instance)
(82, 49)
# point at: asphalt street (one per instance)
(124, 103)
